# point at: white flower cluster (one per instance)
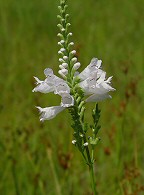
(93, 83)
(52, 83)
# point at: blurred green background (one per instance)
(38, 158)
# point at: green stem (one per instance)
(91, 171)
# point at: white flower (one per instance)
(48, 85)
(94, 65)
(49, 112)
(95, 83)
(52, 83)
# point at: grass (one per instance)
(38, 158)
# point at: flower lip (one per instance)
(49, 112)
(48, 72)
(67, 100)
(62, 88)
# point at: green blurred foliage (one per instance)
(38, 158)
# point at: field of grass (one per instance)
(38, 158)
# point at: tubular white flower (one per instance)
(93, 86)
(95, 83)
(49, 112)
(49, 83)
(94, 65)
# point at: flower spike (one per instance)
(75, 89)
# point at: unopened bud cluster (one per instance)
(69, 63)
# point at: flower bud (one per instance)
(67, 16)
(60, 26)
(63, 29)
(65, 65)
(85, 144)
(73, 52)
(61, 67)
(64, 71)
(61, 60)
(60, 35)
(65, 57)
(62, 41)
(67, 25)
(71, 43)
(60, 72)
(59, 52)
(74, 142)
(74, 60)
(62, 49)
(76, 65)
(59, 17)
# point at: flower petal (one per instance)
(62, 88)
(49, 112)
(67, 100)
(48, 72)
(43, 88)
(94, 65)
(51, 78)
(97, 97)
